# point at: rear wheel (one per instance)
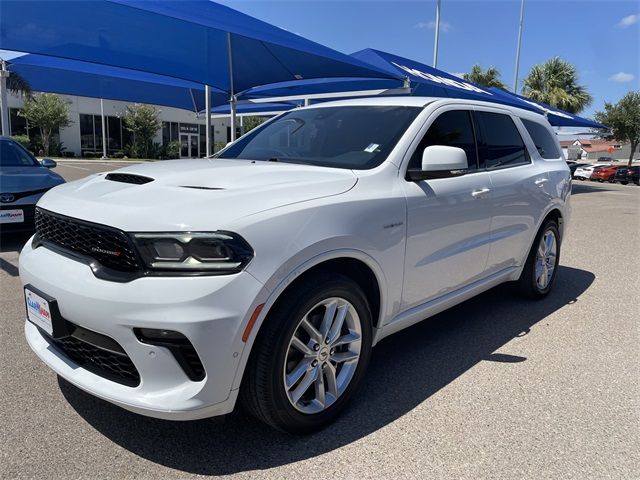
(540, 270)
(310, 356)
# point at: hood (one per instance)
(24, 179)
(205, 194)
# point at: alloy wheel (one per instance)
(546, 259)
(322, 356)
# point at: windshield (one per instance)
(12, 154)
(357, 137)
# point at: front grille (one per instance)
(109, 246)
(128, 178)
(116, 367)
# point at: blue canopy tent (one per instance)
(72, 77)
(204, 42)
(258, 109)
(426, 80)
(556, 117)
(429, 81)
(320, 88)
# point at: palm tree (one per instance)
(489, 78)
(16, 84)
(555, 82)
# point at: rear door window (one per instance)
(453, 129)
(500, 142)
(542, 139)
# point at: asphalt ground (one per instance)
(497, 387)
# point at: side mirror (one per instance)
(440, 161)
(48, 163)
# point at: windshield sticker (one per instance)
(372, 148)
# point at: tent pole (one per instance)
(515, 75)
(306, 102)
(104, 131)
(4, 105)
(207, 109)
(233, 105)
(232, 99)
(241, 125)
(435, 43)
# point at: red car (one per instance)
(603, 174)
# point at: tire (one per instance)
(624, 183)
(529, 283)
(275, 360)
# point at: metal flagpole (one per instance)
(207, 108)
(104, 131)
(515, 75)
(4, 105)
(435, 44)
(232, 100)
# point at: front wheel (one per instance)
(540, 269)
(310, 355)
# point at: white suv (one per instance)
(268, 273)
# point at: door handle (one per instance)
(480, 192)
(541, 181)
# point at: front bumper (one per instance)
(211, 312)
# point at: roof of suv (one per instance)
(414, 101)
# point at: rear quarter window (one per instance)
(501, 144)
(542, 139)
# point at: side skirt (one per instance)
(421, 312)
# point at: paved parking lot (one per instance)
(497, 387)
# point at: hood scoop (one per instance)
(128, 178)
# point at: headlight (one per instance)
(203, 252)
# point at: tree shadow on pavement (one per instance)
(405, 369)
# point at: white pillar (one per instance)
(4, 102)
(515, 74)
(241, 125)
(437, 36)
(207, 108)
(232, 118)
(104, 131)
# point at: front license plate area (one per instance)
(42, 311)
(12, 216)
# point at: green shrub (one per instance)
(23, 140)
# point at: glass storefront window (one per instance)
(18, 123)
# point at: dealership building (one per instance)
(83, 137)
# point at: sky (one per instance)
(600, 37)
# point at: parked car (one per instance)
(269, 272)
(604, 174)
(574, 166)
(605, 160)
(23, 180)
(585, 172)
(625, 175)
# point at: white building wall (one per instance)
(70, 136)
